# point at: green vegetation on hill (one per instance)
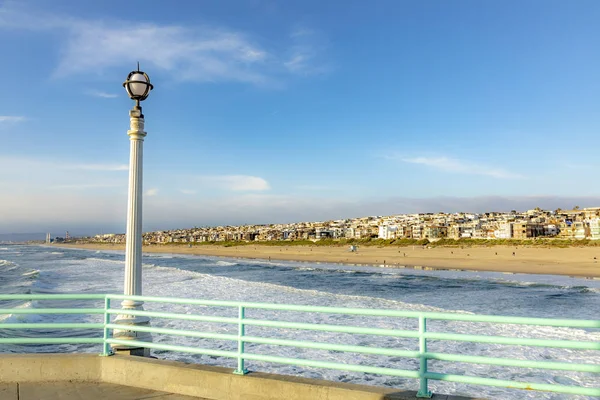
(539, 242)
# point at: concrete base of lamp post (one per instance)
(124, 334)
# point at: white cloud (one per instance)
(198, 53)
(11, 118)
(151, 192)
(237, 183)
(448, 164)
(103, 95)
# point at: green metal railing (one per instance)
(421, 334)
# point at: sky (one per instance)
(281, 111)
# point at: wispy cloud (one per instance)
(199, 53)
(238, 183)
(25, 163)
(103, 95)
(305, 52)
(151, 192)
(29, 173)
(11, 118)
(447, 164)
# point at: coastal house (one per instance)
(434, 232)
(525, 230)
(581, 230)
(467, 232)
(591, 212)
(323, 233)
(577, 230)
(594, 225)
(504, 231)
(387, 231)
(551, 230)
(417, 232)
(454, 232)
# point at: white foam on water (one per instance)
(225, 263)
(103, 260)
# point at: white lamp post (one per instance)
(138, 87)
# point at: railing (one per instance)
(422, 334)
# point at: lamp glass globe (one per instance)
(138, 89)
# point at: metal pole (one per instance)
(241, 331)
(133, 246)
(423, 390)
(106, 351)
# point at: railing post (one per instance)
(423, 390)
(241, 330)
(106, 351)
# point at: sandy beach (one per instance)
(574, 261)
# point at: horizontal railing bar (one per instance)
(274, 359)
(564, 344)
(52, 326)
(332, 328)
(501, 319)
(51, 340)
(177, 332)
(266, 306)
(332, 365)
(188, 317)
(74, 296)
(574, 323)
(279, 342)
(513, 384)
(171, 347)
(509, 362)
(332, 347)
(51, 311)
(274, 324)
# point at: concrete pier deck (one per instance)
(82, 391)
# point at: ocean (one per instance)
(39, 269)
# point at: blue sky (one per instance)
(272, 111)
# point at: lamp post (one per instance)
(138, 87)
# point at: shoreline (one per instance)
(574, 262)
